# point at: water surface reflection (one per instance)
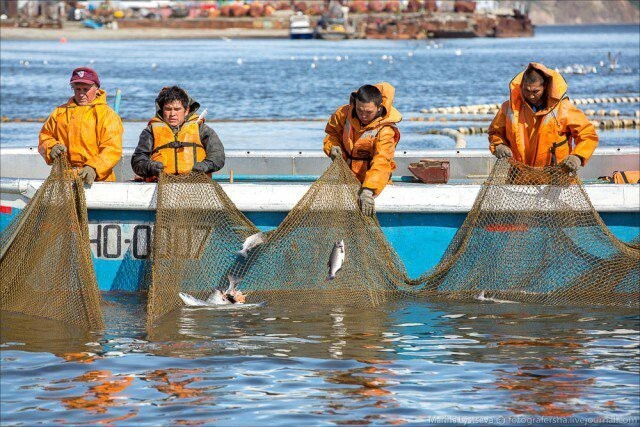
(404, 362)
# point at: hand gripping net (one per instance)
(45, 260)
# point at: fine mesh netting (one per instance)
(531, 236)
(197, 234)
(292, 265)
(635, 242)
(45, 260)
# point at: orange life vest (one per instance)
(177, 151)
(360, 152)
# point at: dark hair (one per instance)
(170, 94)
(533, 76)
(369, 93)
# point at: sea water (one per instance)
(409, 363)
(300, 83)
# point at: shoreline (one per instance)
(77, 33)
(74, 33)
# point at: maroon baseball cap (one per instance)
(85, 75)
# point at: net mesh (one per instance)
(45, 260)
(197, 234)
(294, 263)
(531, 236)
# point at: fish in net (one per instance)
(531, 236)
(297, 262)
(45, 261)
(198, 233)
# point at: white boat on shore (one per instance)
(300, 27)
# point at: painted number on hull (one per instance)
(113, 241)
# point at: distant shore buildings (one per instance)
(394, 19)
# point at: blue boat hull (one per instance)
(121, 239)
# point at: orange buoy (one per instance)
(63, 39)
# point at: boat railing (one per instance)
(465, 164)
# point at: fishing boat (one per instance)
(334, 30)
(265, 186)
(300, 27)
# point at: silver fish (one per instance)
(336, 259)
(233, 284)
(232, 293)
(251, 242)
(191, 301)
(217, 297)
(481, 297)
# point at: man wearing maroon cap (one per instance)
(85, 129)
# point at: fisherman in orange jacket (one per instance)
(539, 125)
(176, 141)
(365, 134)
(85, 128)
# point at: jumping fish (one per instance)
(231, 296)
(251, 242)
(481, 297)
(336, 259)
(217, 298)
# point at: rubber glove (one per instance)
(572, 163)
(367, 202)
(502, 151)
(200, 167)
(155, 168)
(56, 150)
(335, 152)
(88, 174)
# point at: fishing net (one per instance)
(294, 263)
(197, 235)
(45, 260)
(533, 236)
(635, 242)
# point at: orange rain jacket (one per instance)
(91, 133)
(531, 136)
(369, 149)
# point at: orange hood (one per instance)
(390, 115)
(556, 87)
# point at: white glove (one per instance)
(367, 202)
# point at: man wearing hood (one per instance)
(365, 134)
(86, 129)
(176, 141)
(539, 125)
